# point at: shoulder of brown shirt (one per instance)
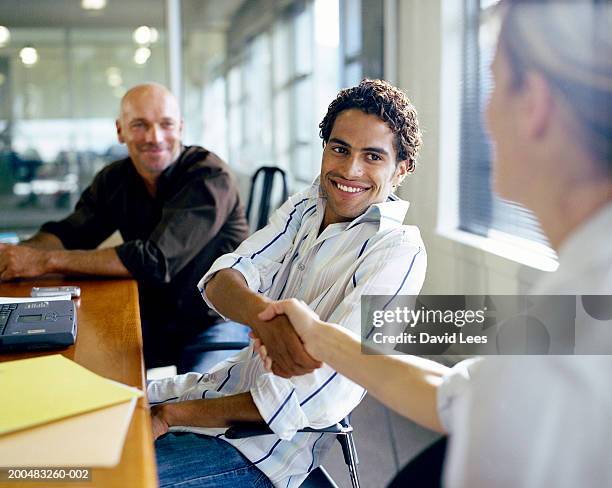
(199, 160)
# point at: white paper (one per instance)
(4, 300)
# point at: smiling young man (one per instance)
(328, 245)
(177, 209)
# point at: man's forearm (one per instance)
(227, 289)
(406, 384)
(43, 240)
(99, 262)
(216, 412)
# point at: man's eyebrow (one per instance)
(339, 141)
(378, 150)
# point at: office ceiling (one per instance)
(203, 14)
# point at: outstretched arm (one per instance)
(407, 384)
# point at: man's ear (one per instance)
(401, 170)
(536, 105)
(119, 134)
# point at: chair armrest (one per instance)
(243, 430)
(217, 346)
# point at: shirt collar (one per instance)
(388, 214)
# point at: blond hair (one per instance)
(570, 43)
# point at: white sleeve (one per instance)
(455, 386)
(261, 255)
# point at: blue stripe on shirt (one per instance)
(281, 407)
(163, 401)
(269, 453)
(319, 389)
(324, 295)
(229, 373)
(313, 452)
(398, 290)
(309, 209)
(284, 230)
(358, 256)
(404, 280)
(287, 280)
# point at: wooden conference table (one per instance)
(109, 343)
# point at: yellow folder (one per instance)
(93, 439)
(39, 390)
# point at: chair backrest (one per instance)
(267, 176)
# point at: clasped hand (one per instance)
(284, 340)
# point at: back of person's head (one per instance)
(387, 102)
(570, 44)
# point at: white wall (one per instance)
(430, 76)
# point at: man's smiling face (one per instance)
(359, 166)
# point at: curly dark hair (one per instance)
(390, 104)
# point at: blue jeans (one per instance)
(188, 460)
(194, 356)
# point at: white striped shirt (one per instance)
(373, 254)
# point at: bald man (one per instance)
(177, 209)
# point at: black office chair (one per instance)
(267, 175)
(318, 477)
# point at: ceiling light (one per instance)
(154, 35)
(5, 36)
(142, 55)
(114, 80)
(28, 55)
(145, 35)
(93, 4)
(142, 35)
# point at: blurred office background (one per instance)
(254, 78)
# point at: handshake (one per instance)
(287, 338)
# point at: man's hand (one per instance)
(301, 317)
(229, 287)
(283, 347)
(279, 346)
(158, 422)
(22, 262)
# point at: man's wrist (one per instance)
(51, 260)
(258, 305)
(165, 414)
